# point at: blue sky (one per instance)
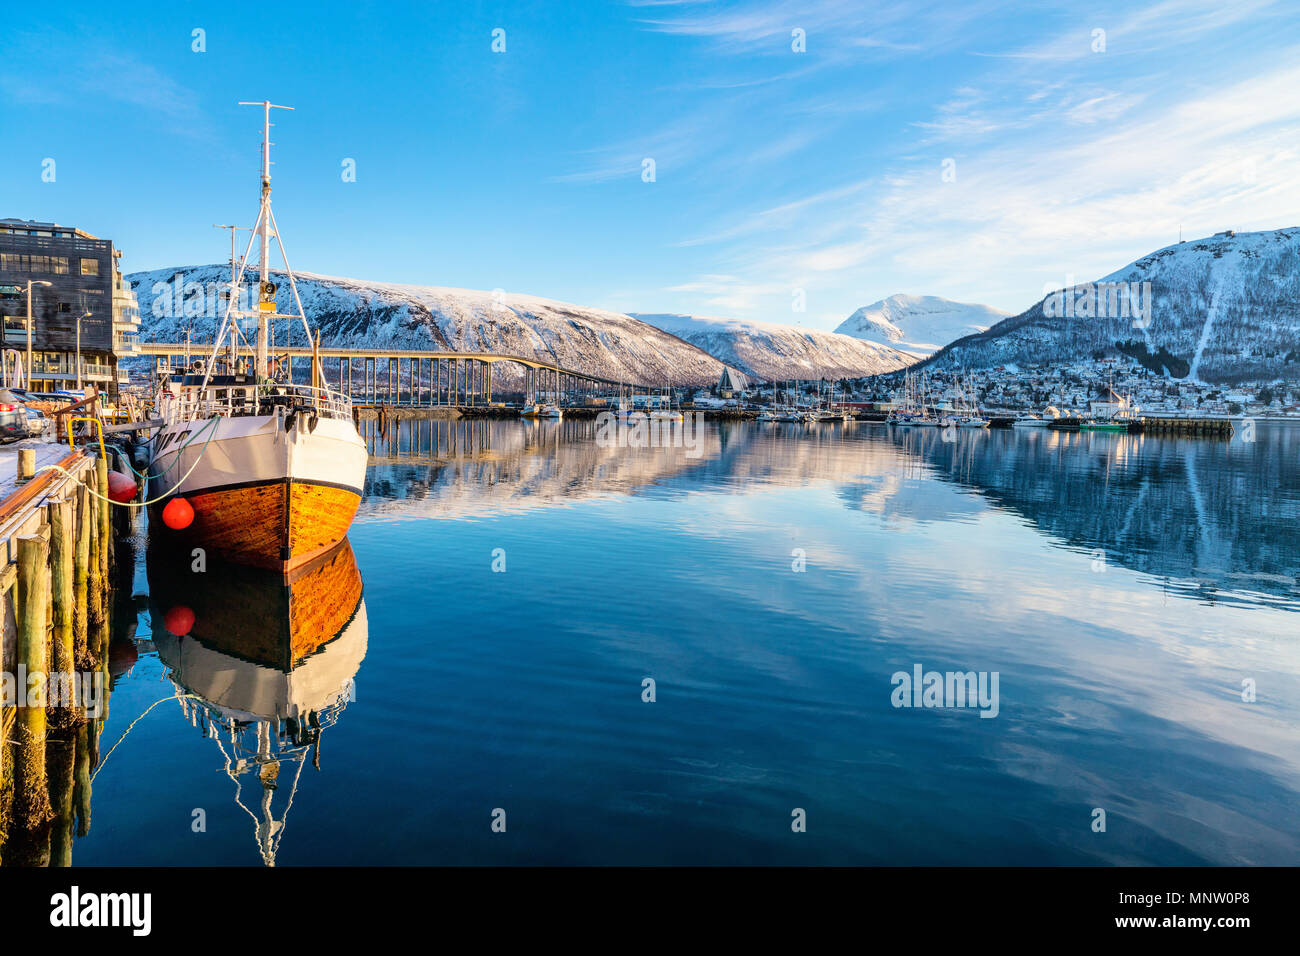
(775, 170)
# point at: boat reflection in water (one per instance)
(261, 665)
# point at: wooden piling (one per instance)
(97, 580)
(81, 576)
(62, 755)
(81, 778)
(105, 521)
(62, 644)
(31, 787)
(26, 464)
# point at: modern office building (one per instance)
(81, 307)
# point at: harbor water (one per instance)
(544, 647)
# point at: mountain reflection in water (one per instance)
(1218, 520)
(522, 582)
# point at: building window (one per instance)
(12, 262)
(65, 306)
(90, 267)
(59, 265)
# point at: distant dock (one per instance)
(1160, 425)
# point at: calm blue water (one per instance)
(1122, 587)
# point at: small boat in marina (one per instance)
(273, 470)
(967, 415)
(1103, 425)
(1050, 414)
(786, 409)
(1109, 414)
(911, 410)
(668, 410)
(542, 410)
(666, 415)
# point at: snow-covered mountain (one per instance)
(353, 312)
(767, 350)
(1223, 309)
(919, 324)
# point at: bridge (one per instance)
(417, 377)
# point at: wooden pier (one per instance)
(1188, 427)
(56, 562)
(1160, 425)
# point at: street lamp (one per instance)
(84, 315)
(30, 283)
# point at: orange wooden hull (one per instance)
(268, 619)
(278, 525)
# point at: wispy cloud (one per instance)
(111, 77)
(1078, 179)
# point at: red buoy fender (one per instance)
(179, 620)
(121, 488)
(178, 514)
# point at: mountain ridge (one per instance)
(919, 325)
(1222, 310)
(367, 314)
(774, 351)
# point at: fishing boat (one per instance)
(273, 470)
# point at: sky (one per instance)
(808, 158)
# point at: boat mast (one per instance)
(234, 283)
(265, 288)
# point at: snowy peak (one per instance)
(919, 325)
(1220, 309)
(771, 351)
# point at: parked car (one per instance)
(13, 416)
(38, 423)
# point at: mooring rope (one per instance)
(176, 697)
(141, 504)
